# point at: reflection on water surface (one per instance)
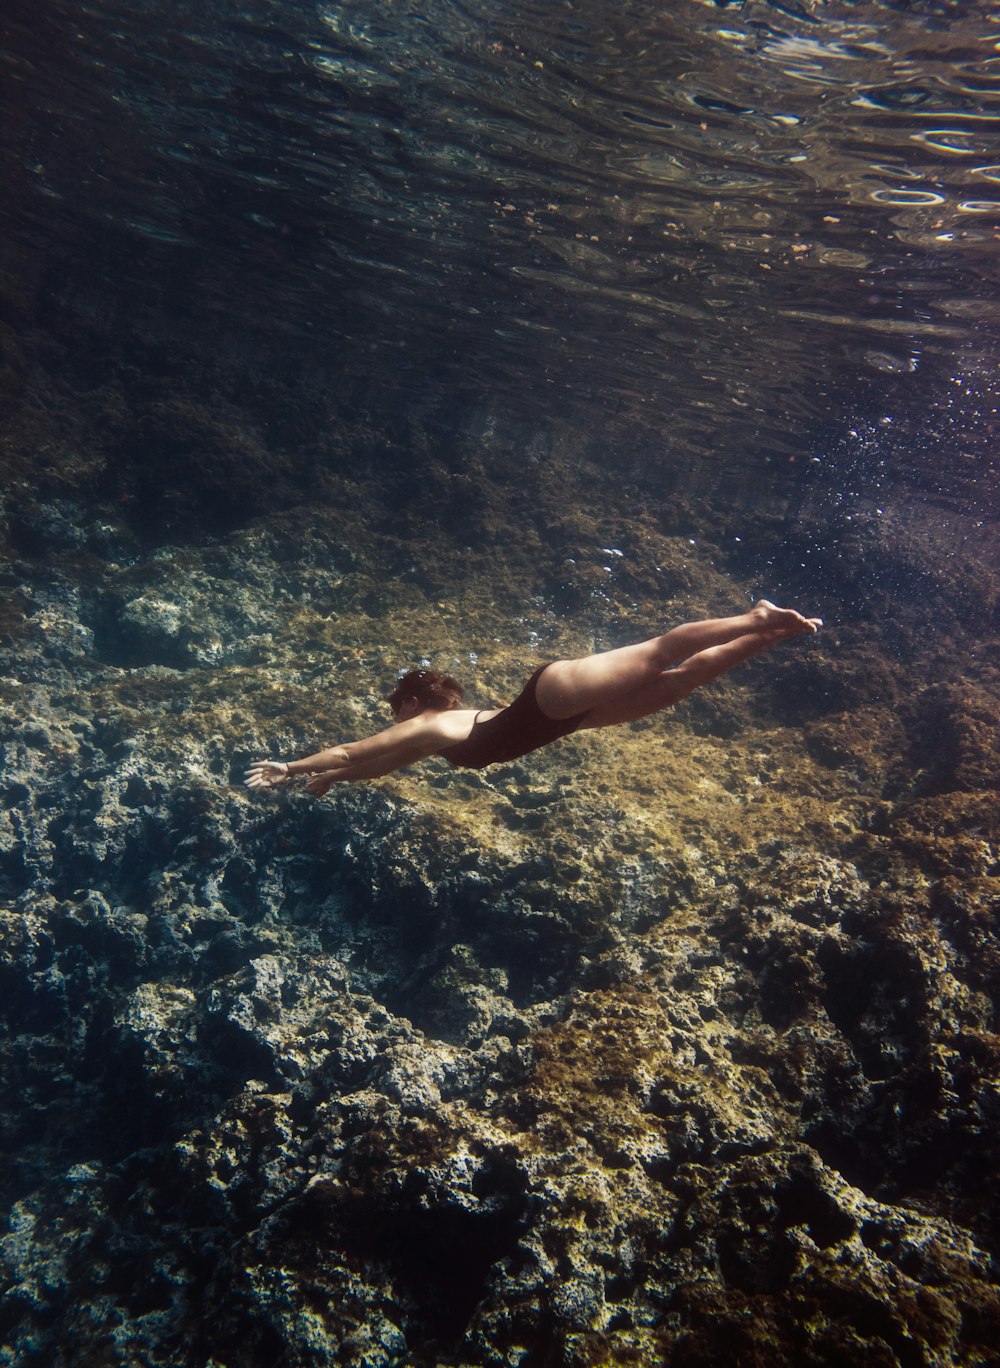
(717, 219)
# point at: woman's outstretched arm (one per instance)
(389, 750)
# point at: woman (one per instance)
(566, 696)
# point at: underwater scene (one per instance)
(343, 339)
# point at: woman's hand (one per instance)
(266, 774)
(318, 784)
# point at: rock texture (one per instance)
(672, 1045)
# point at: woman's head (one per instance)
(430, 689)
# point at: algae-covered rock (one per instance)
(661, 1045)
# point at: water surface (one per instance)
(726, 225)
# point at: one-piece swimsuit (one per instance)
(514, 731)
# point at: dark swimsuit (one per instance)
(518, 729)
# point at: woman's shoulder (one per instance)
(448, 727)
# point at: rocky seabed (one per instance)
(473, 1070)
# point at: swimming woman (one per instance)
(565, 696)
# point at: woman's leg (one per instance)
(568, 687)
(673, 685)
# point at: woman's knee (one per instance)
(677, 683)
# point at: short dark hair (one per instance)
(430, 688)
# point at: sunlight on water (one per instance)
(673, 207)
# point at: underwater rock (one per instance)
(666, 1045)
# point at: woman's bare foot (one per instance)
(784, 620)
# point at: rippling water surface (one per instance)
(724, 221)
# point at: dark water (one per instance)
(732, 230)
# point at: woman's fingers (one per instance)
(274, 774)
(264, 774)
